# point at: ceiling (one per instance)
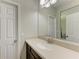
(61, 2)
(64, 2)
(58, 5)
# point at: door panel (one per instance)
(52, 27)
(72, 27)
(8, 31)
(10, 52)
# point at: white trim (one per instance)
(19, 29)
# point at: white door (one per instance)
(52, 27)
(72, 27)
(8, 31)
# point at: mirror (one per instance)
(70, 24)
(58, 23)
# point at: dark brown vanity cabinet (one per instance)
(30, 53)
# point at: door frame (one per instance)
(53, 18)
(18, 18)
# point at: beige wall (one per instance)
(29, 23)
(44, 14)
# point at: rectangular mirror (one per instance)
(70, 24)
(60, 21)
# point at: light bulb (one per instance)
(47, 5)
(42, 2)
(53, 1)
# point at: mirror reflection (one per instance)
(70, 24)
(59, 21)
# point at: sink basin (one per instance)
(45, 46)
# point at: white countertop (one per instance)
(51, 51)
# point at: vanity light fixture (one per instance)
(47, 3)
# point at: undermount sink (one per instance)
(45, 46)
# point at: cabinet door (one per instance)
(36, 56)
(27, 52)
(31, 54)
